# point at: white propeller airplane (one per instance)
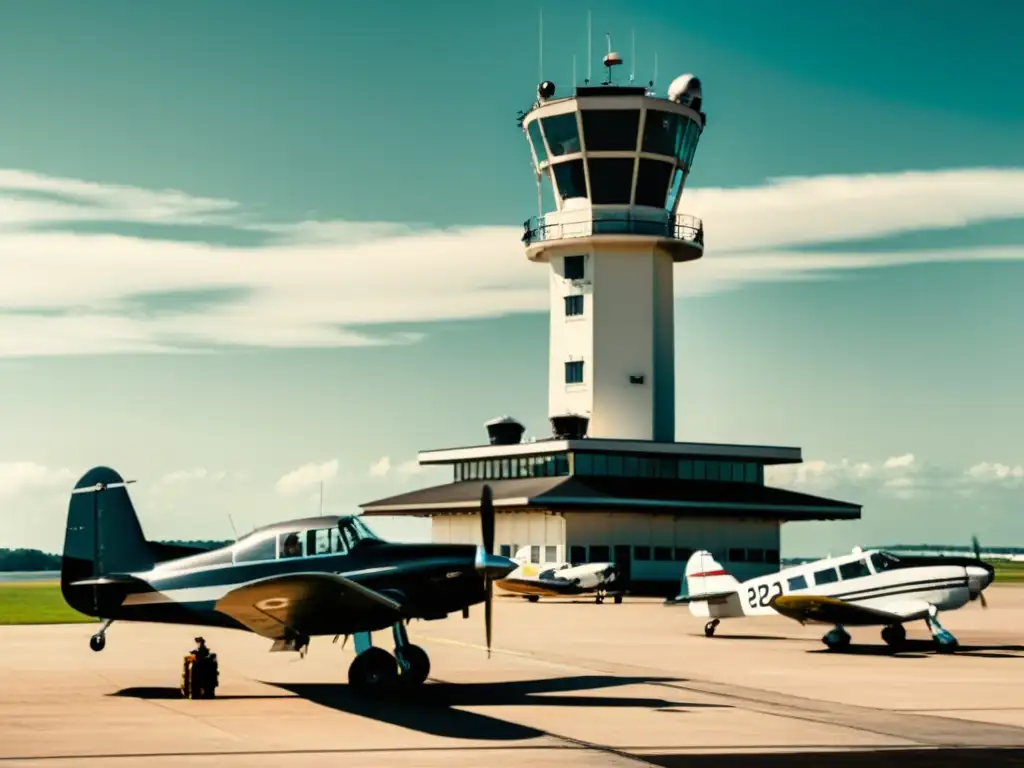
(866, 588)
(536, 580)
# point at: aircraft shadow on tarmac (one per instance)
(434, 707)
(920, 649)
(877, 758)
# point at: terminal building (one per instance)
(611, 483)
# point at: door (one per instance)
(624, 561)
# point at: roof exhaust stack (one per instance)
(570, 426)
(505, 431)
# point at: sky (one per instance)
(248, 247)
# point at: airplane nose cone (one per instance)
(979, 577)
(495, 566)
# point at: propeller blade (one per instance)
(977, 547)
(984, 602)
(489, 614)
(487, 520)
(487, 536)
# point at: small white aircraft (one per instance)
(872, 588)
(536, 580)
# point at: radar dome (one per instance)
(686, 90)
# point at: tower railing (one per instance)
(681, 226)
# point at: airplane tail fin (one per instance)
(705, 577)
(102, 537)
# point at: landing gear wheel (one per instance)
(97, 642)
(894, 636)
(710, 627)
(599, 598)
(533, 598)
(946, 646)
(413, 665)
(618, 599)
(837, 640)
(373, 672)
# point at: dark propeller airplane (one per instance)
(327, 575)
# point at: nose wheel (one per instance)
(710, 627)
(99, 641)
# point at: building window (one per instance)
(535, 554)
(738, 555)
(771, 556)
(550, 554)
(573, 269)
(506, 550)
(641, 553)
(599, 553)
(683, 553)
(573, 305)
(663, 554)
(574, 372)
(755, 555)
(577, 554)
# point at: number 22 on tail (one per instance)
(759, 596)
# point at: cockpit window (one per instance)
(354, 530)
(256, 547)
(883, 561)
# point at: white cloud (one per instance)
(17, 477)
(899, 462)
(315, 283)
(196, 474)
(381, 467)
(994, 472)
(307, 476)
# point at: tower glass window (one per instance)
(573, 268)
(662, 132)
(573, 305)
(562, 133)
(610, 130)
(537, 141)
(678, 177)
(574, 372)
(611, 180)
(570, 179)
(651, 182)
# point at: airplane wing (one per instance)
(710, 597)
(831, 610)
(271, 607)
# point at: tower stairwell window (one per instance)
(573, 269)
(574, 372)
(573, 305)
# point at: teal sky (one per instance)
(392, 113)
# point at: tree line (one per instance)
(37, 560)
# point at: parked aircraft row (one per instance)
(331, 575)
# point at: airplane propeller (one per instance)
(977, 556)
(487, 534)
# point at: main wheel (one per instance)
(533, 598)
(96, 642)
(618, 599)
(373, 672)
(413, 664)
(894, 635)
(709, 628)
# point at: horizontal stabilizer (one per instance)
(108, 579)
(709, 597)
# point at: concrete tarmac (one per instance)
(569, 683)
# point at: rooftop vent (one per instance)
(504, 431)
(570, 426)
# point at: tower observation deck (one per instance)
(616, 159)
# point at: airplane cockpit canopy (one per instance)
(313, 537)
(884, 561)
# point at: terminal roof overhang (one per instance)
(604, 494)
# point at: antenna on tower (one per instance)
(632, 61)
(540, 46)
(611, 58)
(590, 45)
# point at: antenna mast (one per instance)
(632, 61)
(590, 45)
(540, 47)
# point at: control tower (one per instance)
(609, 482)
(615, 159)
